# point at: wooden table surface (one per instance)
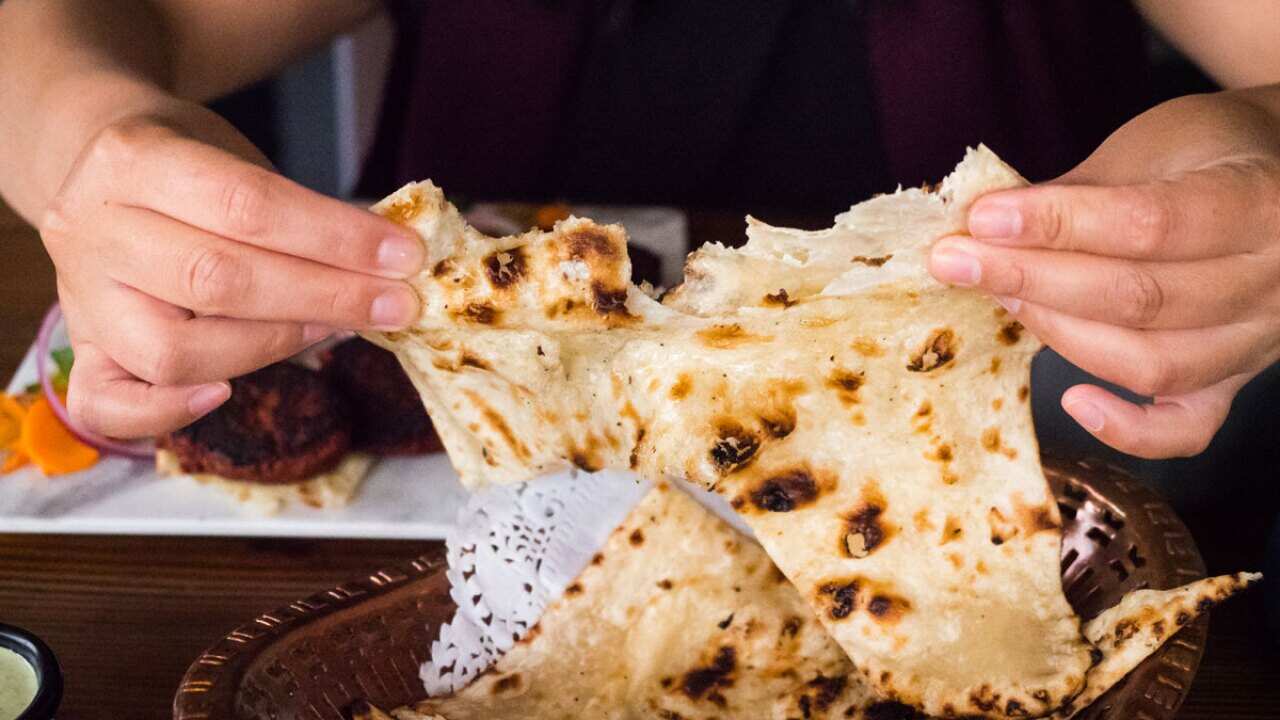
(127, 615)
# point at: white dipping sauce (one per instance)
(17, 684)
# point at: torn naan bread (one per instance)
(1143, 620)
(681, 616)
(870, 424)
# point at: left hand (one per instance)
(1155, 264)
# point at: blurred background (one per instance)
(337, 121)
(317, 121)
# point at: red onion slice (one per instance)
(143, 449)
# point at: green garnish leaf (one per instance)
(64, 358)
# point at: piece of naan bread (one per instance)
(681, 616)
(870, 424)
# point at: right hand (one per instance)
(184, 260)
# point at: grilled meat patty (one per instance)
(387, 417)
(283, 424)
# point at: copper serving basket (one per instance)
(365, 639)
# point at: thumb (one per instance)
(105, 398)
(1169, 426)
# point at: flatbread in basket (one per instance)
(870, 424)
(681, 616)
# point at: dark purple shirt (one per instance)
(807, 104)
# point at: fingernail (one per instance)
(402, 255)
(955, 266)
(393, 309)
(207, 397)
(1087, 414)
(992, 220)
(314, 333)
(1012, 304)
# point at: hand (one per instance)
(1155, 265)
(183, 260)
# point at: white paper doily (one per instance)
(514, 549)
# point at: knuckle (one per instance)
(122, 143)
(1053, 223)
(245, 204)
(215, 279)
(56, 222)
(1017, 280)
(1147, 220)
(1137, 294)
(116, 143)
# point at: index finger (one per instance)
(1206, 213)
(220, 193)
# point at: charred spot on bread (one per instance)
(938, 349)
(846, 384)
(584, 461)
(951, 530)
(839, 597)
(984, 698)
(779, 298)
(828, 690)
(716, 674)
(590, 240)
(1010, 333)
(734, 448)
(479, 314)
(863, 532)
(785, 492)
(893, 710)
(607, 300)
(779, 424)
(791, 626)
(442, 268)
(872, 261)
(505, 268)
(886, 608)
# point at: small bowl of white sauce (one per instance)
(30, 679)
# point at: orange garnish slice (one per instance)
(11, 414)
(546, 216)
(48, 443)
